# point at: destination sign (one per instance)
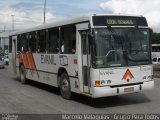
(119, 21)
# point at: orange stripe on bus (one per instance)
(32, 62)
(20, 60)
(25, 60)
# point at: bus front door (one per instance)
(14, 52)
(83, 51)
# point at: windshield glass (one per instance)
(118, 47)
(1, 59)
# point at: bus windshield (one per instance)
(118, 47)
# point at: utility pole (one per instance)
(12, 22)
(44, 11)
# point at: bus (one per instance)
(94, 55)
(155, 50)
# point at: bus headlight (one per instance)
(106, 82)
(150, 77)
(109, 82)
(103, 82)
(144, 78)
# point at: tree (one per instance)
(155, 38)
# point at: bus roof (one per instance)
(79, 19)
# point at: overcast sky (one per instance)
(29, 13)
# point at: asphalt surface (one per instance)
(36, 98)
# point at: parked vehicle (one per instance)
(155, 50)
(2, 54)
(156, 60)
(2, 63)
(6, 60)
(156, 63)
(6, 52)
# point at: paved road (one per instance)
(38, 98)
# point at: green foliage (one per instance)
(155, 37)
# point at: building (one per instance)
(4, 40)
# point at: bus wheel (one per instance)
(65, 87)
(23, 75)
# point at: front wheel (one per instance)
(65, 86)
(23, 75)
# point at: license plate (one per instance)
(130, 89)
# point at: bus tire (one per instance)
(65, 87)
(23, 75)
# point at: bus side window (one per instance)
(53, 41)
(32, 42)
(73, 47)
(41, 41)
(19, 43)
(62, 40)
(24, 43)
(68, 39)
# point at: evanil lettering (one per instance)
(47, 59)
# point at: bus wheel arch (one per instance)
(64, 83)
(60, 72)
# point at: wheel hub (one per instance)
(65, 85)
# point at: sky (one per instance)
(29, 13)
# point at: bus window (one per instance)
(68, 40)
(24, 43)
(53, 41)
(41, 41)
(19, 43)
(154, 59)
(32, 42)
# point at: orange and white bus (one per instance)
(93, 55)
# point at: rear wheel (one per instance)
(65, 87)
(23, 75)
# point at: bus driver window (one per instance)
(62, 47)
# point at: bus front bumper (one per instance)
(108, 91)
